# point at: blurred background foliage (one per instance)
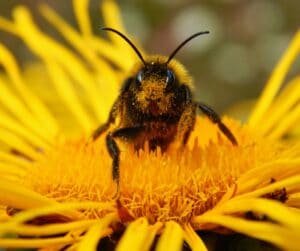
(229, 65)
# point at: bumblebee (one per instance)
(155, 105)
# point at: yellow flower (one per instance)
(57, 191)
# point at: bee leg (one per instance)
(128, 132)
(114, 151)
(215, 118)
(186, 123)
(111, 118)
(113, 112)
(101, 129)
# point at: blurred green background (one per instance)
(229, 65)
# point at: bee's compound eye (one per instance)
(170, 77)
(139, 77)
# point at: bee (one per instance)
(155, 105)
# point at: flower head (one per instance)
(57, 188)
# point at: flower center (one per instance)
(175, 185)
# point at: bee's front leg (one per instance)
(111, 119)
(114, 153)
(215, 118)
(185, 127)
(113, 149)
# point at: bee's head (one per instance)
(156, 79)
(155, 83)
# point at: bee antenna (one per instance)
(184, 42)
(128, 41)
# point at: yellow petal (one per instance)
(152, 233)
(69, 96)
(273, 209)
(67, 209)
(193, 239)
(291, 183)
(12, 169)
(114, 54)
(282, 106)
(15, 143)
(7, 26)
(35, 242)
(17, 196)
(275, 81)
(171, 238)
(8, 123)
(81, 9)
(31, 100)
(288, 122)
(278, 168)
(80, 44)
(135, 236)
(112, 18)
(90, 240)
(45, 230)
(273, 233)
(294, 200)
(17, 108)
(10, 158)
(38, 41)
